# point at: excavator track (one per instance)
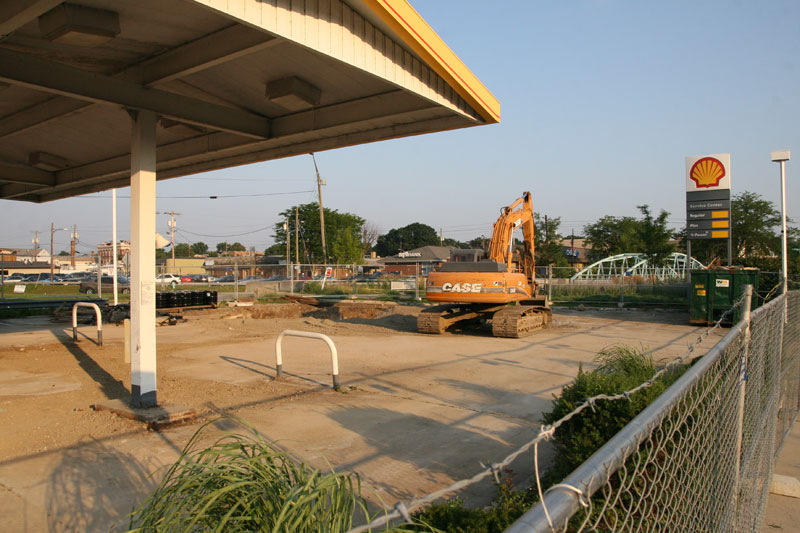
(520, 320)
(437, 319)
(431, 320)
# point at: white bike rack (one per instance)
(309, 335)
(75, 321)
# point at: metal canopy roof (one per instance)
(233, 82)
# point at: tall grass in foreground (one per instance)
(239, 482)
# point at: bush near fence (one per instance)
(620, 368)
(699, 458)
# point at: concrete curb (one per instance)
(785, 486)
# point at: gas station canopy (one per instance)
(99, 94)
(230, 81)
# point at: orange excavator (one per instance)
(501, 288)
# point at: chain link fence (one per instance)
(234, 279)
(632, 290)
(700, 457)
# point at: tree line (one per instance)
(349, 237)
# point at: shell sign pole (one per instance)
(708, 199)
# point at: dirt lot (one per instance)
(416, 412)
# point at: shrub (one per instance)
(621, 368)
(454, 517)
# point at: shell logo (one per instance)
(707, 172)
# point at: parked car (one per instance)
(13, 278)
(77, 277)
(186, 279)
(168, 279)
(277, 277)
(248, 279)
(89, 286)
(43, 277)
(226, 279)
(199, 278)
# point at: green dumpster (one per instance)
(714, 291)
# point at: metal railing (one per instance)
(698, 458)
(309, 335)
(98, 316)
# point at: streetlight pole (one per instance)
(114, 242)
(782, 156)
(52, 252)
(320, 183)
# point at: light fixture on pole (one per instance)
(52, 254)
(782, 156)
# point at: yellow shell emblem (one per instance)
(707, 172)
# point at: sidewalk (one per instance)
(783, 512)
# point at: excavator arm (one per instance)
(501, 245)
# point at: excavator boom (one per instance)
(501, 245)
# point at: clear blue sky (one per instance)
(601, 101)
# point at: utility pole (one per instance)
(73, 240)
(172, 226)
(320, 183)
(288, 243)
(441, 237)
(35, 242)
(296, 237)
(52, 266)
(546, 230)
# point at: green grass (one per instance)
(346, 288)
(239, 482)
(633, 295)
(41, 291)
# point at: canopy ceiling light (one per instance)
(45, 161)
(76, 25)
(293, 93)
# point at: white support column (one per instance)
(143, 260)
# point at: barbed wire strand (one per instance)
(545, 433)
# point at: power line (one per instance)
(210, 196)
(222, 236)
(244, 179)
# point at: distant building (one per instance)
(183, 266)
(428, 258)
(105, 251)
(31, 255)
(83, 263)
